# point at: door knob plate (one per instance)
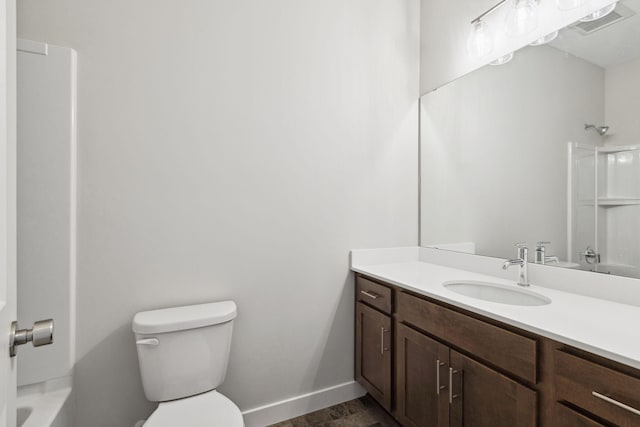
(12, 339)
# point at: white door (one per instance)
(7, 209)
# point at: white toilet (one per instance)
(183, 354)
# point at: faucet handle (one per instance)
(522, 250)
(542, 244)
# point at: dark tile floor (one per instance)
(363, 412)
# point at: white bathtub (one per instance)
(45, 404)
(617, 269)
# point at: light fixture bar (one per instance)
(479, 18)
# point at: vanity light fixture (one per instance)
(522, 17)
(546, 39)
(600, 13)
(571, 4)
(503, 59)
(480, 41)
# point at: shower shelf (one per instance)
(612, 201)
(618, 149)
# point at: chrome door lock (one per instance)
(40, 334)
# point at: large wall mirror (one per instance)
(544, 148)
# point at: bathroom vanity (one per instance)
(432, 358)
(540, 147)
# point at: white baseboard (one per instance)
(301, 405)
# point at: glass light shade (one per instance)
(546, 39)
(522, 17)
(480, 42)
(503, 59)
(571, 4)
(600, 13)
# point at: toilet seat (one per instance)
(210, 409)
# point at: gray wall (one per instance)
(623, 103)
(234, 149)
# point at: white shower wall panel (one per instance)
(623, 175)
(46, 205)
(623, 226)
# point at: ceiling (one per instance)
(615, 44)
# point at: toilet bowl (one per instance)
(207, 409)
(183, 354)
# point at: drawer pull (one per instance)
(370, 294)
(615, 402)
(439, 387)
(451, 395)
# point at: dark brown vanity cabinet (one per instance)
(440, 387)
(434, 365)
(374, 340)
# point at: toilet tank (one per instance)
(183, 351)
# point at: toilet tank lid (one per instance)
(182, 318)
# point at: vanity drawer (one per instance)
(604, 392)
(504, 349)
(373, 294)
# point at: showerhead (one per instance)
(602, 130)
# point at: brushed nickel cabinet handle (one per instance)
(371, 295)
(451, 395)
(615, 402)
(382, 332)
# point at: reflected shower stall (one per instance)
(604, 208)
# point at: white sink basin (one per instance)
(494, 292)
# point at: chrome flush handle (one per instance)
(153, 342)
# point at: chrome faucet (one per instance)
(540, 252)
(590, 256)
(541, 257)
(522, 261)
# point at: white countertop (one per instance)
(606, 328)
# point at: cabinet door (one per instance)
(421, 379)
(481, 397)
(373, 353)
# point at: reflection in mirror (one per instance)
(545, 148)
